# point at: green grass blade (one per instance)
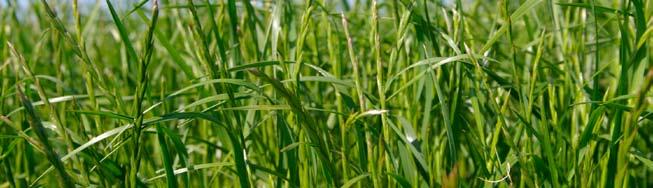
(167, 159)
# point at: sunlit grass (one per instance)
(352, 93)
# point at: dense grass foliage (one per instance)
(326, 93)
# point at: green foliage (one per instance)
(318, 93)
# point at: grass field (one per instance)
(326, 93)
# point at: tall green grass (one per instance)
(318, 93)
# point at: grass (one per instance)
(352, 93)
